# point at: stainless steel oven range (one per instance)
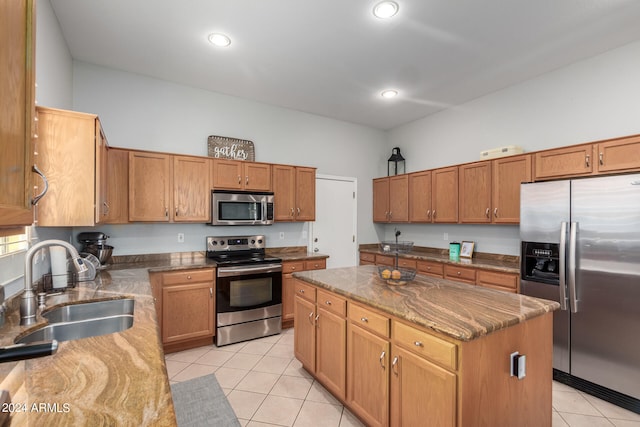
(248, 289)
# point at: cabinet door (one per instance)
(619, 155)
(430, 268)
(257, 176)
(191, 189)
(331, 352)
(460, 274)
(564, 162)
(117, 186)
(422, 393)
(66, 156)
(17, 86)
(475, 192)
(187, 312)
(288, 294)
(227, 174)
(381, 200)
(305, 194)
(444, 196)
(494, 279)
(149, 183)
(368, 376)
(508, 174)
(101, 206)
(304, 342)
(399, 198)
(420, 197)
(284, 183)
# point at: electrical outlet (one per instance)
(282, 235)
(446, 236)
(180, 237)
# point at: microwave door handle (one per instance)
(562, 255)
(264, 209)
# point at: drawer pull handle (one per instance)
(394, 366)
(364, 319)
(189, 277)
(458, 273)
(311, 317)
(293, 268)
(328, 302)
(302, 291)
(417, 343)
(382, 359)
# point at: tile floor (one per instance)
(267, 386)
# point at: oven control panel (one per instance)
(235, 243)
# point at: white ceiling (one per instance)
(333, 57)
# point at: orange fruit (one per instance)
(385, 274)
(395, 274)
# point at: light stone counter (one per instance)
(461, 311)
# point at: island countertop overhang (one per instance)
(460, 311)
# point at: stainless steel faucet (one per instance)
(28, 303)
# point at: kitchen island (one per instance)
(431, 352)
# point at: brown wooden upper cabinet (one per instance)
(565, 162)
(391, 199)
(619, 155)
(490, 190)
(420, 197)
(239, 175)
(71, 150)
(17, 111)
(117, 186)
(294, 189)
(165, 188)
(444, 194)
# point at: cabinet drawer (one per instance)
(430, 268)
(332, 302)
(407, 263)
(385, 260)
(494, 278)
(188, 276)
(462, 274)
(305, 290)
(315, 264)
(368, 319)
(367, 257)
(292, 267)
(426, 345)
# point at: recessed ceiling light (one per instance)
(219, 40)
(385, 9)
(389, 93)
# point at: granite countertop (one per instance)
(461, 311)
(496, 262)
(114, 379)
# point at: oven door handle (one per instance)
(245, 269)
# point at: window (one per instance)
(13, 242)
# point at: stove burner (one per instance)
(238, 250)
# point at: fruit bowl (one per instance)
(396, 276)
(396, 247)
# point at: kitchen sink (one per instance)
(73, 330)
(90, 310)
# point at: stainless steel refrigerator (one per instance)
(581, 247)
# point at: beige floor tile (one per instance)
(231, 347)
(258, 382)
(259, 424)
(174, 367)
(229, 377)
(558, 386)
(281, 350)
(579, 420)
(610, 410)
(215, 357)
(295, 369)
(557, 420)
(243, 423)
(286, 339)
(242, 361)
(272, 365)
(316, 414)
(271, 339)
(188, 356)
(625, 423)
(194, 370)
(278, 410)
(245, 403)
(575, 403)
(295, 387)
(320, 394)
(260, 348)
(349, 420)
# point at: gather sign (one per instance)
(223, 147)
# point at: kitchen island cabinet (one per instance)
(436, 352)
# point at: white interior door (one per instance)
(334, 230)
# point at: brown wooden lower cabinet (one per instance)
(401, 374)
(460, 274)
(507, 282)
(288, 291)
(185, 306)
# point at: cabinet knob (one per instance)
(189, 277)
(417, 343)
(364, 319)
(428, 268)
(328, 302)
(302, 291)
(293, 268)
(458, 273)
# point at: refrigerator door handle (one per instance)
(563, 259)
(573, 300)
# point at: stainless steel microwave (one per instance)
(241, 208)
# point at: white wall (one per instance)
(587, 101)
(145, 113)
